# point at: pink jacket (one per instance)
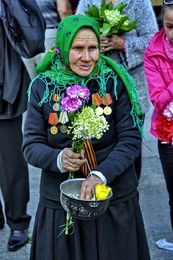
(159, 74)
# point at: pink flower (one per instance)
(75, 95)
(77, 91)
(71, 105)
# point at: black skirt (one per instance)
(118, 234)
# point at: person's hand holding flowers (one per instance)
(113, 23)
(71, 161)
(113, 42)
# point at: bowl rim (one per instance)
(81, 179)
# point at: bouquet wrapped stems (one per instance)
(76, 148)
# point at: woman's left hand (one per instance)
(114, 42)
(86, 192)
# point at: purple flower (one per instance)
(73, 101)
(71, 105)
(77, 91)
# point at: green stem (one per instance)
(76, 148)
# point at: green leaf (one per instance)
(93, 12)
(110, 6)
(120, 7)
(121, 22)
(105, 29)
(129, 27)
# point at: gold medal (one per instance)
(54, 130)
(63, 129)
(107, 110)
(56, 107)
(99, 111)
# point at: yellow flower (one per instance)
(102, 192)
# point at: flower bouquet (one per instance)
(111, 19)
(85, 124)
(164, 124)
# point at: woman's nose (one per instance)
(86, 55)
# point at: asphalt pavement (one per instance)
(152, 195)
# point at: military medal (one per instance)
(54, 130)
(63, 129)
(63, 119)
(97, 100)
(55, 97)
(55, 107)
(53, 120)
(107, 100)
(107, 110)
(99, 111)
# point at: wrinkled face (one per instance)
(168, 23)
(84, 52)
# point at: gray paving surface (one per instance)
(153, 200)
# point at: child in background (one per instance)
(158, 63)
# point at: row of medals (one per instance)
(106, 111)
(63, 119)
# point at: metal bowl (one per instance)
(81, 209)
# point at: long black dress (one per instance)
(117, 234)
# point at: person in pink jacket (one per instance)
(158, 64)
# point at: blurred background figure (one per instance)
(66, 7)
(21, 35)
(128, 48)
(157, 6)
(158, 61)
(49, 10)
(53, 12)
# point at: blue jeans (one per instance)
(166, 158)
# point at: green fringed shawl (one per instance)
(60, 78)
(53, 72)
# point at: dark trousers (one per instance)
(2, 220)
(166, 158)
(14, 179)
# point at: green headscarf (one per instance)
(66, 32)
(55, 67)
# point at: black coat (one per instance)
(22, 33)
(115, 151)
(14, 80)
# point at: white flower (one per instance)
(88, 125)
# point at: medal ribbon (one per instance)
(96, 99)
(90, 156)
(55, 97)
(63, 117)
(53, 119)
(107, 100)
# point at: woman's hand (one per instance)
(71, 161)
(86, 192)
(114, 42)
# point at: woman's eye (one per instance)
(92, 48)
(78, 48)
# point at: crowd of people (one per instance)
(122, 74)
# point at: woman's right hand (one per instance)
(71, 161)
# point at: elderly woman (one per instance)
(75, 60)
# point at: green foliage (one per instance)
(111, 19)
